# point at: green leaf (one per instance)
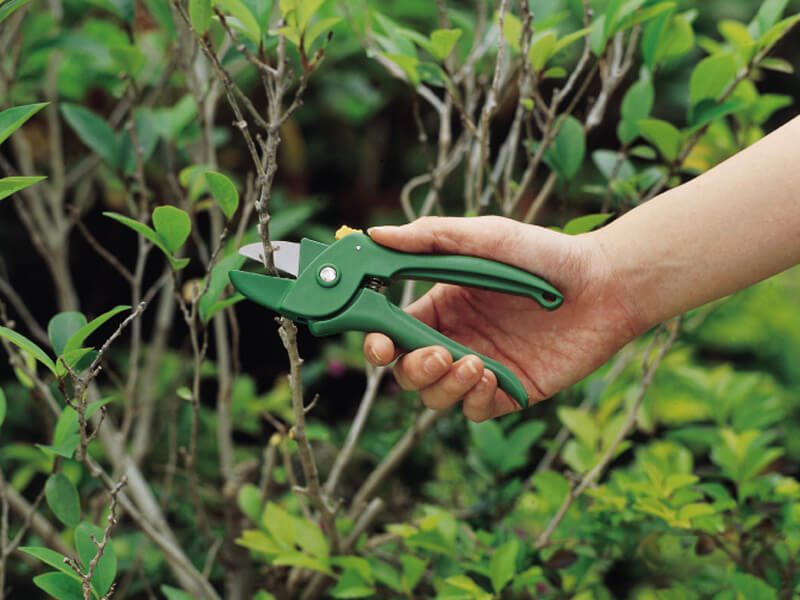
(221, 305)
(386, 574)
(298, 559)
(551, 73)
(224, 192)
(776, 32)
(93, 131)
(396, 41)
(77, 338)
(585, 223)
(310, 538)
(246, 21)
(261, 10)
(280, 524)
(200, 15)
(352, 585)
(106, 569)
(662, 135)
(162, 14)
(263, 595)
(677, 481)
(646, 14)
(503, 565)
(12, 119)
(636, 105)
(512, 29)
(173, 226)
(443, 41)
(667, 37)
(711, 76)
(150, 235)
(129, 58)
(22, 342)
(62, 327)
(462, 583)
(260, 542)
(172, 593)
(696, 509)
(413, 569)
(3, 406)
(752, 588)
(249, 500)
(542, 49)
(610, 19)
(306, 9)
(291, 33)
(707, 110)
(60, 586)
(580, 424)
(768, 14)
(597, 41)
(11, 185)
(519, 443)
(62, 498)
(735, 32)
(566, 153)
(571, 38)
(9, 7)
(488, 437)
(50, 557)
(317, 29)
(409, 66)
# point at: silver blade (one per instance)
(285, 254)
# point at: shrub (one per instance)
(164, 457)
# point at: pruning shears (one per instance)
(337, 288)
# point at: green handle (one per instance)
(481, 273)
(461, 270)
(371, 311)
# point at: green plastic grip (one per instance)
(372, 311)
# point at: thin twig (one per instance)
(630, 421)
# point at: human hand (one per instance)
(548, 351)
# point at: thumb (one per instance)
(497, 238)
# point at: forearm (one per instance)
(724, 230)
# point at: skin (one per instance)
(720, 232)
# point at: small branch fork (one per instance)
(75, 564)
(81, 383)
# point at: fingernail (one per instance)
(467, 371)
(484, 381)
(435, 365)
(374, 354)
(379, 228)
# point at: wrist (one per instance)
(621, 274)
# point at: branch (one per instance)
(345, 454)
(86, 578)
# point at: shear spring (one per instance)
(374, 283)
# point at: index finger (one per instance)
(380, 350)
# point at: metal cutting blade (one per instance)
(285, 254)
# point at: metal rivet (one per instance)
(328, 274)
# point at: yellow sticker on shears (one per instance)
(345, 230)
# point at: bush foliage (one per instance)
(152, 442)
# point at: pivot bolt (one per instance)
(328, 276)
